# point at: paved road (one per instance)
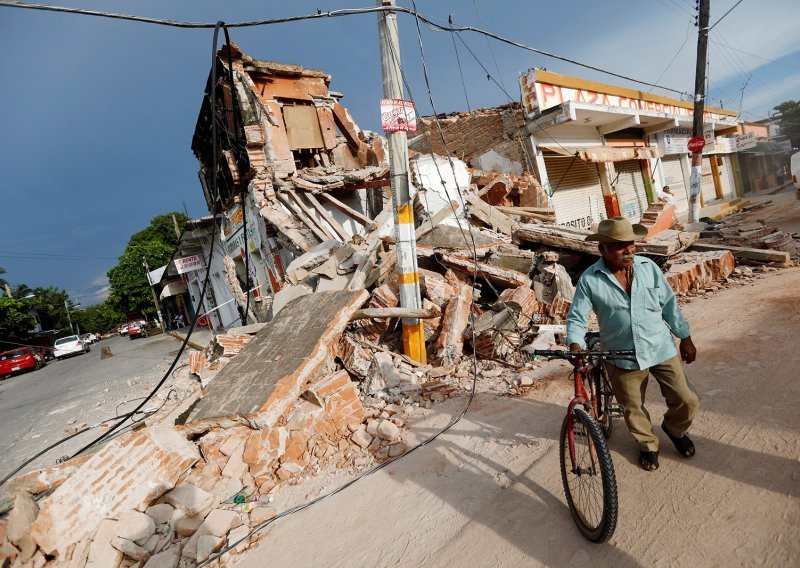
(35, 408)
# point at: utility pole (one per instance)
(153, 290)
(177, 230)
(405, 240)
(696, 177)
(69, 319)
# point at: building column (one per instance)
(610, 197)
(715, 174)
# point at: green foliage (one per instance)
(16, 319)
(100, 318)
(789, 121)
(130, 290)
(49, 303)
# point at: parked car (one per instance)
(19, 361)
(70, 345)
(138, 328)
(89, 338)
(123, 329)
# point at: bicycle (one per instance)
(587, 471)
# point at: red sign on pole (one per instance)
(696, 143)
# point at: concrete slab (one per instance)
(265, 379)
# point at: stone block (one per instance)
(361, 438)
(189, 499)
(261, 514)
(129, 473)
(387, 430)
(101, 553)
(130, 549)
(160, 513)
(21, 517)
(133, 525)
(219, 522)
(167, 559)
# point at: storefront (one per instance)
(628, 143)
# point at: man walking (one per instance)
(636, 309)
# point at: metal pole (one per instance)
(405, 241)
(153, 291)
(69, 319)
(696, 177)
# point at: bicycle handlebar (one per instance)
(570, 355)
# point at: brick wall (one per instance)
(468, 135)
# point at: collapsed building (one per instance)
(321, 382)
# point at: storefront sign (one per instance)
(235, 243)
(746, 141)
(675, 140)
(188, 263)
(398, 115)
(539, 96)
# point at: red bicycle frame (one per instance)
(584, 398)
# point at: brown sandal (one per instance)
(648, 461)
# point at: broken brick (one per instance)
(128, 473)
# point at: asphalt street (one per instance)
(37, 407)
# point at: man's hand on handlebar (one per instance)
(578, 361)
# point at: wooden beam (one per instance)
(328, 217)
(375, 183)
(372, 242)
(522, 212)
(764, 255)
(308, 213)
(452, 208)
(349, 211)
(368, 313)
(345, 125)
(558, 237)
(501, 277)
(489, 215)
(298, 213)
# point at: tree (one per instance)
(16, 319)
(130, 290)
(789, 120)
(48, 303)
(3, 281)
(100, 318)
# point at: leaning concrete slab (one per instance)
(266, 378)
(128, 473)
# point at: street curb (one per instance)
(180, 338)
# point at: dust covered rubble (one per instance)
(173, 493)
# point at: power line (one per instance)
(677, 53)
(48, 255)
(757, 56)
(725, 14)
(332, 14)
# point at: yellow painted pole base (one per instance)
(414, 342)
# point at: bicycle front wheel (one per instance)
(589, 483)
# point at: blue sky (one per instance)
(98, 114)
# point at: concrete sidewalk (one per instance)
(199, 339)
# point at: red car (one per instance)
(137, 329)
(19, 361)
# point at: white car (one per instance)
(69, 345)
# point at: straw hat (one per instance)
(618, 230)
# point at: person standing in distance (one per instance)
(636, 309)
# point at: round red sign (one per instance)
(696, 143)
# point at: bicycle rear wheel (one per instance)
(589, 484)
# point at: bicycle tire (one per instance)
(600, 527)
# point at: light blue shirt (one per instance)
(642, 322)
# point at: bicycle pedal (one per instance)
(617, 410)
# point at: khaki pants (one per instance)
(629, 389)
